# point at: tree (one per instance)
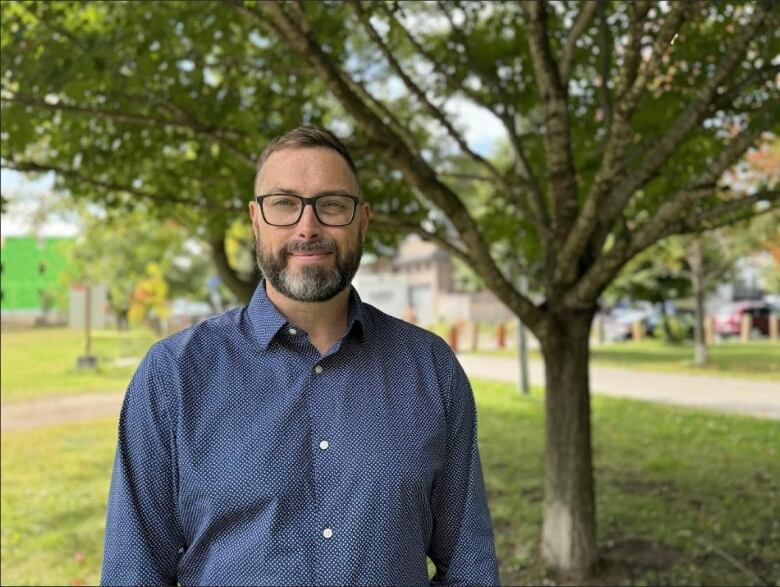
(655, 276)
(117, 250)
(620, 119)
(149, 299)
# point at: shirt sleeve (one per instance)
(462, 545)
(143, 536)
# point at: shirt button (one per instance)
(324, 444)
(327, 533)
(292, 331)
(318, 369)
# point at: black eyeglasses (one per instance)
(287, 209)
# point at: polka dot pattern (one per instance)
(247, 458)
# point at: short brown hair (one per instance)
(307, 136)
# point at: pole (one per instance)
(88, 319)
(522, 345)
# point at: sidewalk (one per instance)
(754, 398)
(60, 410)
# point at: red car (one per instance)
(728, 319)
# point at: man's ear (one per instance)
(254, 210)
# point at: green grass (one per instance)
(695, 482)
(42, 362)
(55, 484)
(692, 481)
(758, 359)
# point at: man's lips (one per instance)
(310, 255)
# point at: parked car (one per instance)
(619, 321)
(728, 319)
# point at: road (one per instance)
(743, 396)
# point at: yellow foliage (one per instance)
(150, 298)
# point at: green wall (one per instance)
(30, 266)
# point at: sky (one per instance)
(27, 197)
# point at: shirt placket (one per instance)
(324, 529)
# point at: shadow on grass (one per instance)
(682, 495)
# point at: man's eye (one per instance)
(283, 203)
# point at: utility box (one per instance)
(77, 308)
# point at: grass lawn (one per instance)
(759, 359)
(678, 491)
(55, 484)
(42, 362)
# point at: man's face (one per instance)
(308, 261)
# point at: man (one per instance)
(306, 438)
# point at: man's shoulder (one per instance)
(396, 332)
(200, 338)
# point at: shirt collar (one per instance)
(267, 321)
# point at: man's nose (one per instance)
(308, 226)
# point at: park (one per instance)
(596, 186)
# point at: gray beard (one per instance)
(309, 283)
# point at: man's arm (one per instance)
(142, 533)
(462, 545)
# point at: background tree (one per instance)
(117, 250)
(148, 302)
(654, 276)
(620, 118)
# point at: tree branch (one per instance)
(420, 95)
(382, 109)
(614, 152)
(557, 138)
(725, 214)
(35, 167)
(539, 211)
(537, 208)
(663, 220)
(683, 124)
(763, 74)
(494, 80)
(581, 24)
(633, 48)
(217, 135)
(606, 62)
(391, 222)
(300, 38)
(241, 288)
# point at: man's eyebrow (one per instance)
(282, 190)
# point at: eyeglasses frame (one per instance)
(309, 201)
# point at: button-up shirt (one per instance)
(246, 457)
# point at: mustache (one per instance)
(322, 244)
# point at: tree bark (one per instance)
(241, 288)
(696, 262)
(569, 527)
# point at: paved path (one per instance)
(755, 398)
(59, 410)
(745, 396)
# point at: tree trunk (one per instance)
(569, 528)
(696, 262)
(122, 322)
(240, 288)
(668, 336)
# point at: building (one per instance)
(420, 282)
(30, 270)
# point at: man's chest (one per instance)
(297, 442)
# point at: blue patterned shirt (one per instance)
(245, 457)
